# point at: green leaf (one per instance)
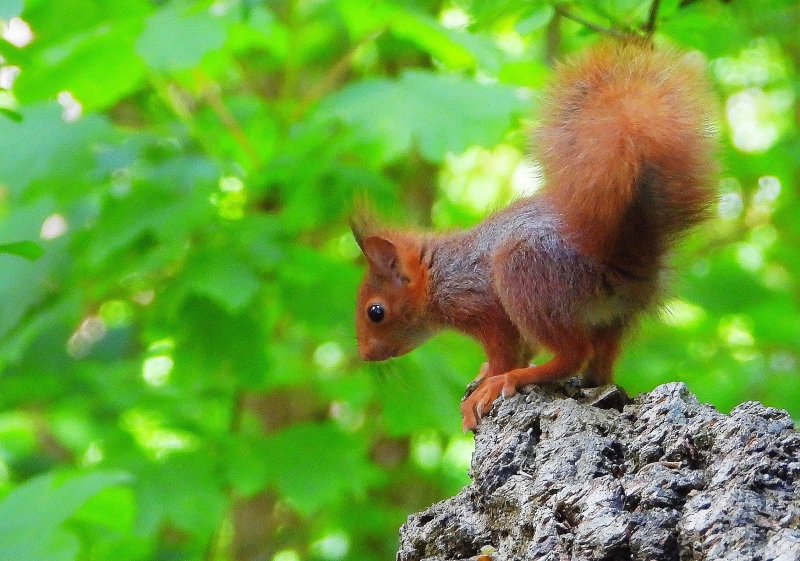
(105, 56)
(223, 278)
(170, 200)
(182, 489)
(61, 25)
(11, 114)
(27, 249)
(217, 349)
(113, 508)
(438, 113)
(689, 26)
(261, 30)
(537, 19)
(416, 27)
(313, 465)
(53, 149)
(10, 8)
(32, 514)
(176, 40)
(22, 281)
(528, 73)
(317, 290)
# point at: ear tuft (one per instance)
(363, 222)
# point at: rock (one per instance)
(561, 473)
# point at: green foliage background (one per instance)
(178, 375)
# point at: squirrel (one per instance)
(626, 149)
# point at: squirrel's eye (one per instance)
(376, 313)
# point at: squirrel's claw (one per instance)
(468, 415)
(482, 373)
(509, 388)
(480, 402)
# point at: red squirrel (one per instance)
(627, 156)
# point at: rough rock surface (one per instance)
(562, 473)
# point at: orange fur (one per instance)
(628, 162)
(610, 123)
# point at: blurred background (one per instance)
(178, 370)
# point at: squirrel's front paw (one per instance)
(480, 401)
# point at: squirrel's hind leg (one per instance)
(606, 342)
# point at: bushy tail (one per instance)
(627, 151)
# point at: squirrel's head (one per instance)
(392, 298)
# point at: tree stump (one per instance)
(562, 473)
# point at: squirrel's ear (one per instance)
(381, 255)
